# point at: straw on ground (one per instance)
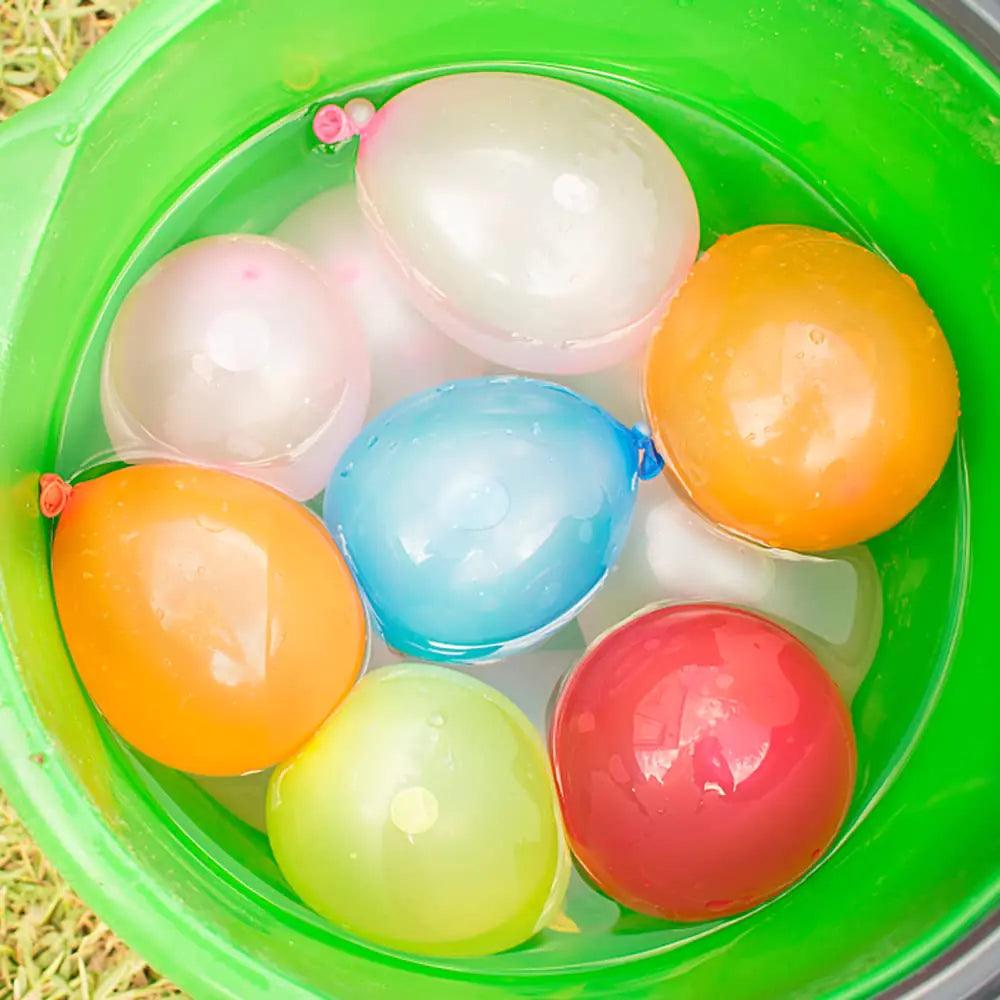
(52, 947)
(40, 40)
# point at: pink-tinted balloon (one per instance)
(408, 354)
(237, 352)
(540, 224)
(704, 761)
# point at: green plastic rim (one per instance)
(878, 110)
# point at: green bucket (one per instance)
(870, 118)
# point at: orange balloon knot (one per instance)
(53, 494)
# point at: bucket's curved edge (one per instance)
(974, 21)
(44, 793)
(968, 970)
(940, 19)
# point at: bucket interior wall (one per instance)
(872, 121)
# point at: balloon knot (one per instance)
(53, 494)
(650, 460)
(332, 124)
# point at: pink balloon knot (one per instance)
(332, 124)
(53, 494)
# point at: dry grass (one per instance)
(40, 40)
(52, 947)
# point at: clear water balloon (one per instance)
(672, 554)
(530, 679)
(480, 516)
(617, 390)
(423, 817)
(236, 352)
(407, 352)
(541, 224)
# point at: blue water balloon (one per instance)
(480, 516)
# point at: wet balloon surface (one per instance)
(480, 515)
(704, 760)
(801, 390)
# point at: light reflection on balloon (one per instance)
(539, 223)
(407, 353)
(531, 681)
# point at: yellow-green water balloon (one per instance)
(423, 816)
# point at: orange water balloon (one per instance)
(800, 389)
(211, 618)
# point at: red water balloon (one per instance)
(704, 761)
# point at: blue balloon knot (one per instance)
(650, 460)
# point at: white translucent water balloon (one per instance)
(237, 352)
(408, 354)
(673, 554)
(380, 655)
(834, 603)
(540, 224)
(529, 679)
(617, 390)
